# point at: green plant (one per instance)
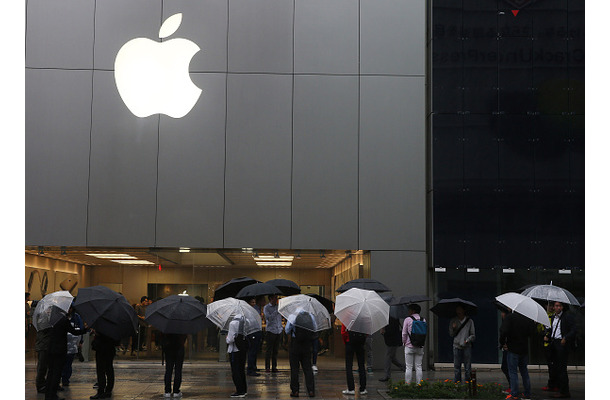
(446, 389)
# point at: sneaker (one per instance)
(177, 395)
(167, 395)
(369, 370)
(511, 397)
(238, 394)
(294, 394)
(314, 369)
(347, 391)
(363, 391)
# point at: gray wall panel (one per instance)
(191, 170)
(259, 151)
(123, 170)
(393, 37)
(119, 21)
(205, 23)
(392, 163)
(260, 36)
(59, 34)
(326, 36)
(325, 173)
(57, 121)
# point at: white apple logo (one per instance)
(153, 77)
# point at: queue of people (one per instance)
(58, 346)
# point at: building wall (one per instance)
(309, 133)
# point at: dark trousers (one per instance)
(300, 354)
(390, 358)
(505, 366)
(238, 371)
(273, 345)
(315, 348)
(56, 365)
(173, 364)
(66, 372)
(358, 350)
(254, 345)
(105, 371)
(42, 370)
(135, 346)
(548, 354)
(559, 367)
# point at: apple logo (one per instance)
(153, 77)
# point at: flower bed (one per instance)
(446, 389)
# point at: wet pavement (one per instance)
(211, 379)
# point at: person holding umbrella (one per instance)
(301, 330)
(105, 349)
(58, 349)
(354, 345)
(392, 337)
(238, 349)
(273, 321)
(173, 349)
(461, 329)
(515, 331)
(563, 332)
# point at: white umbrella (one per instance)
(51, 308)
(362, 310)
(221, 313)
(290, 307)
(525, 306)
(551, 293)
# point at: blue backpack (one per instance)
(419, 331)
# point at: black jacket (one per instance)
(515, 332)
(392, 334)
(58, 339)
(568, 327)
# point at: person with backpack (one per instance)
(237, 347)
(392, 337)
(299, 351)
(461, 329)
(354, 344)
(414, 331)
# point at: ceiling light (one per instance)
(111, 255)
(184, 250)
(274, 258)
(134, 262)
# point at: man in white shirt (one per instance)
(563, 332)
(273, 333)
(238, 351)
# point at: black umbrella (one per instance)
(363, 283)
(232, 287)
(257, 289)
(328, 304)
(287, 286)
(446, 307)
(180, 314)
(106, 311)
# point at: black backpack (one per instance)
(304, 335)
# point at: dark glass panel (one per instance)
(550, 76)
(447, 151)
(515, 78)
(552, 155)
(515, 153)
(480, 152)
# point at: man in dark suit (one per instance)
(561, 338)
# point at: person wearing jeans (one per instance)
(414, 355)
(514, 334)
(173, 348)
(354, 344)
(461, 329)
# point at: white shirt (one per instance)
(556, 327)
(233, 330)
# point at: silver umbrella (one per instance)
(525, 306)
(51, 308)
(362, 310)
(292, 306)
(551, 293)
(221, 313)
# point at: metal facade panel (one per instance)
(59, 34)
(258, 153)
(325, 172)
(57, 118)
(392, 164)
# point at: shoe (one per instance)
(314, 369)
(97, 396)
(511, 397)
(95, 386)
(177, 395)
(562, 395)
(347, 391)
(106, 395)
(363, 391)
(384, 379)
(294, 394)
(550, 389)
(369, 370)
(311, 394)
(167, 395)
(238, 394)
(253, 374)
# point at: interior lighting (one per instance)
(274, 258)
(184, 250)
(273, 264)
(111, 255)
(133, 262)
